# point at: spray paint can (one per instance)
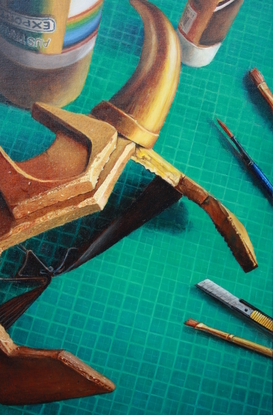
(46, 48)
(202, 28)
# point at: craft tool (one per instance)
(262, 86)
(249, 162)
(230, 338)
(236, 304)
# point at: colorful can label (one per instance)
(82, 23)
(29, 28)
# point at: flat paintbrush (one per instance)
(262, 86)
(231, 338)
(249, 162)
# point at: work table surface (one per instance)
(123, 312)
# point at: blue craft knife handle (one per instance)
(262, 178)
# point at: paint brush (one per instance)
(230, 338)
(262, 86)
(248, 161)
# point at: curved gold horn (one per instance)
(139, 109)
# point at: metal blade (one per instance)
(224, 296)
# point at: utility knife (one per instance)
(237, 304)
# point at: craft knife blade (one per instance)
(237, 304)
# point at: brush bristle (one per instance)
(224, 127)
(190, 322)
(256, 76)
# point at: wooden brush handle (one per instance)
(260, 83)
(266, 93)
(237, 340)
(252, 346)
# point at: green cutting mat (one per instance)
(123, 312)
